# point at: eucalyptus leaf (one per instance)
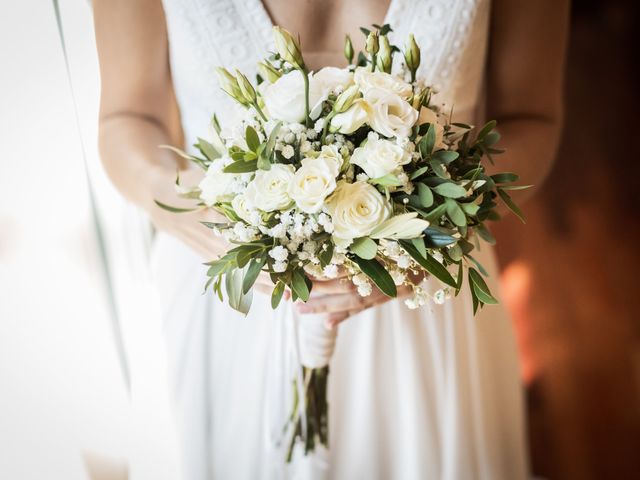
(506, 177)
(388, 180)
(299, 284)
(241, 167)
(455, 213)
(446, 156)
(378, 274)
(418, 172)
(434, 237)
(425, 195)
(253, 141)
(430, 264)
(233, 284)
(512, 206)
(255, 266)
(276, 295)
(450, 190)
(207, 149)
(169, 208)
(364, 247)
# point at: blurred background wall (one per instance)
(570, 275)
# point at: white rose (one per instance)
(367, 80)
(284, 99)
(391, 116)
(268, 190)
(243, 209)
(378, 157)
(314, 181)
(429, 116)
(331, 154)
(351, 120)
(217, 186)
(356, 209)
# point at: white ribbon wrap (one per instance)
(316, 341)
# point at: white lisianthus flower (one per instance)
(356, 209)
(379, 157)
(429, 116)
(269, 189)
(284, 99)
(351, 120)
(330, 79)
(391, 115)
(217, 186)
(367, 80)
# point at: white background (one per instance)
(62, 391)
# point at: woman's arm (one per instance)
(525, 78)
(525, 84)
(138, 112)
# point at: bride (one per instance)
(445, 399)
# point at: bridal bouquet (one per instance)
(350, 172)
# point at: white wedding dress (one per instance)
(431, 393)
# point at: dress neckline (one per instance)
(268, 24)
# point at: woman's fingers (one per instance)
(337, 285)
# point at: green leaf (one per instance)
(425, 194)
(420, 246)
(455, 213)
(450, 190)
(512, 206)
(233, 284)
(430, 264)
(326, 255)
(207, 149)
(434, 237)
(418, 172)
(470, 208)
(486, 129)
(506, 177)
(246, 253)
(485, 234)
(378, 274)
(263, 163)
(459, 278)
(173, 209)
(480, 287)
(299, 284)
(515, 187)
(241, 167)
(276, 295)
(478, 265)
(436, 213)
(446, 156)
(427, 142)
(271, 142)
(255, 266)
(364, 247)
(491, 138)
(439, 169)
(386, 181)
(455, 252)
(253, 141)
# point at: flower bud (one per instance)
(268, 71)
(248, 92)
(346, 99)
(288, 48)
(348, 49)
(372, 46)
(384, 58)
(412, 55)
(229, 84)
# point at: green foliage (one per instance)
(364, 247)
(378, 274)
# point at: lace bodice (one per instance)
(204, 34)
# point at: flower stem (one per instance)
(305, 76)
(327, 121)
(259, 110)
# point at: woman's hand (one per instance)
(340, 299)
(187, 226)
